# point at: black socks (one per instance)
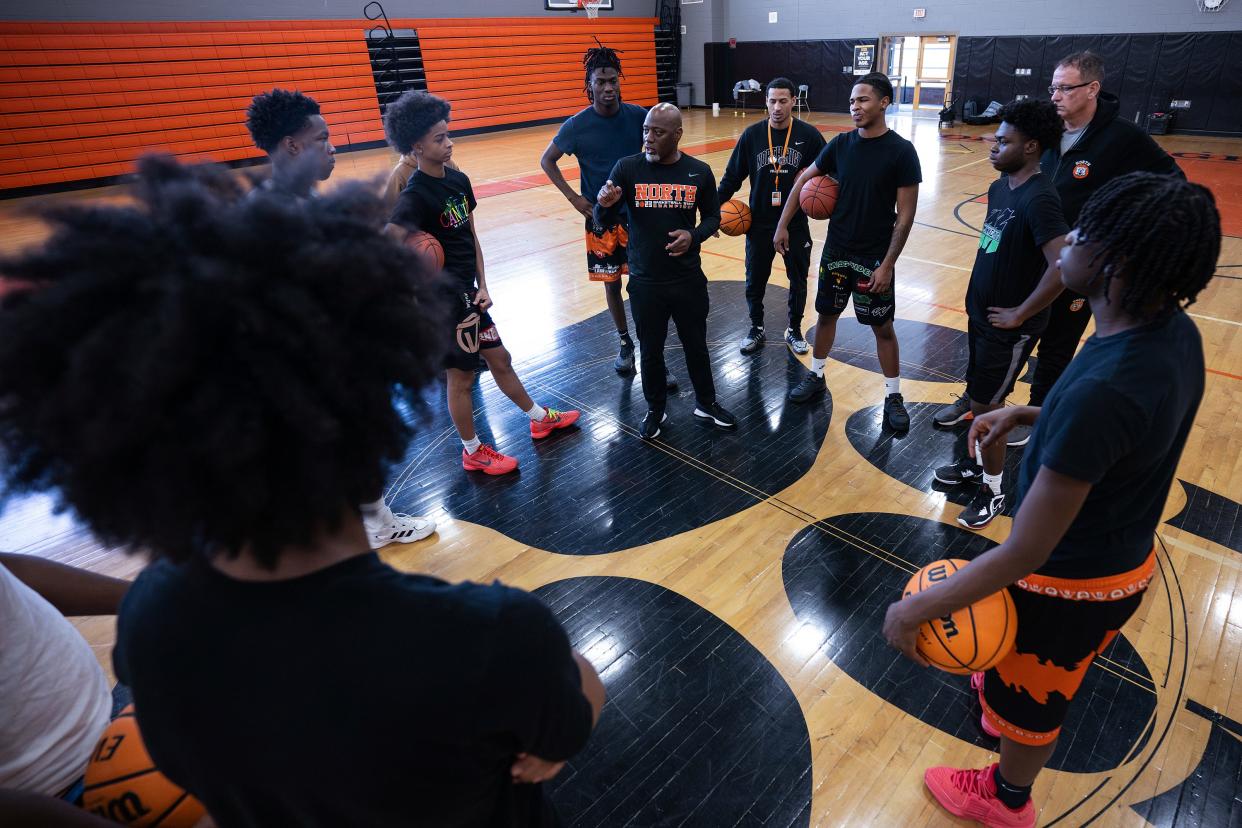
(1013, 796)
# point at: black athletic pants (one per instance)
(685, 301)
(759, 255)
(1066, 322)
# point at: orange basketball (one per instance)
(818, 197)
(973, 639)
(734, 217)
(427, 246)
(123, 785)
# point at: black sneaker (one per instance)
(796, 342)
(983, 507)
(963, 471)
(624, 363)
(753, 341)
(811, 385)
(670, 381)
(651, 424)
(895, 415)
(953, 413)
(717, 414)
(1019, 435)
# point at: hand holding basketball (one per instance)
(609, 194)
(902, 632)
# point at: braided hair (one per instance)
(600, 57)
(1161, 233)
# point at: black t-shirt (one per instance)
(356, 695)
(753, 158)
(870, 171)
(1010, 260)
(661, 198)
(1118, 418)
(442, 207)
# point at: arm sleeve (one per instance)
(607, 216)
(826, 161)
(564, 138)
(470, 194)
(708, 203)
(536, 677)
(1154, 158)
(817, 144)
(1047, 218)
(737, 169)
(911, 171)
(1094, 427)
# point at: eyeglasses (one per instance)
(1063, 88)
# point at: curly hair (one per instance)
(196, 373)
(1035, 118)
(1160, 234)
(879, 82)
(409, 117)
(600, 57)
(274, 115)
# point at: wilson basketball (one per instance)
(123, 785)
(426, 245)
(818, 197)
(973, 639)
(734, 217)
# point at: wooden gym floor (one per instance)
(730, 587)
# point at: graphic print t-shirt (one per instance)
(442, 207)
(1010, 261)
(753, 158)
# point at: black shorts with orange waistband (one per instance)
(607, 251)
(1063, 624)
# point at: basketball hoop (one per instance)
(591, 7)
(1210, 5)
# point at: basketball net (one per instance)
(591, 7)
(1210, 5)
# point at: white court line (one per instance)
(1214, 319)
(937, 264)
(964, 166)
(1200, 551)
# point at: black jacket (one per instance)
(1109, 147)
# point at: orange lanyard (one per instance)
(776, 165)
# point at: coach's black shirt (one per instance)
(753, 158)
(1118, 418)
(661, 198)
(870, 171)
(1010, 260)
(355, 695)
(442, 207)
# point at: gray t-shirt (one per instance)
(1069, 138)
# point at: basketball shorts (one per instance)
(607, 253)
(845, 275)
(996, 360)
(473, 330)
(1063, 624)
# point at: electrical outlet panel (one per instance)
(1179, 105)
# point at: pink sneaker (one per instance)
(976, 684)
(551, 422)
(972, 794)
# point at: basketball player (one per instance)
(242, 387)
(1013, 281)
(771, 154)
(1092, 485)
(1097, 147)
(440, 201)
(289, 128)
(662, 189)
(879, 175)
(599, 136)
(400, 176)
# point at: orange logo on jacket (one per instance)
(676, 196)
(1082, 169)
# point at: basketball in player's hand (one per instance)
(818, 197)
(427, 246)
(972, 639)
(734, 217)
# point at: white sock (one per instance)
(817, 365)
(375, 509)
(993, 481)
(471, 445)
(892, 385)
(537, 412)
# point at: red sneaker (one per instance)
(488, 461)
(551, 421)
(976, 684)
(972, 794)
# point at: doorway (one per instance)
(924, 65)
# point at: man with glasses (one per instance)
(1097, 147)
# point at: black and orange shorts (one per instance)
(1063, 624)
(607, 251)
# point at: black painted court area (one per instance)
(699, 728)
(842, 573)
(598, 487)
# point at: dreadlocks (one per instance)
(1161, 233)
(600, 57)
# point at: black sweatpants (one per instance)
(759, 254)
(685, 301)
(1068, 318)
